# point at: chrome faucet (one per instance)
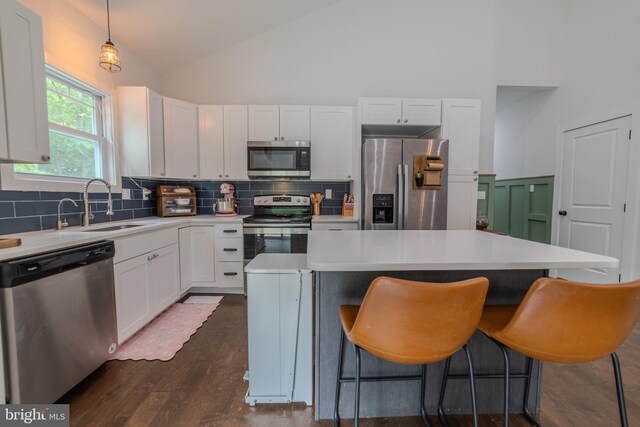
(62, 224)
(87, 216)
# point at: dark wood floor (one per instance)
(202, 386)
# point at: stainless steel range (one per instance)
(279, 224)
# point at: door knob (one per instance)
(562, 213)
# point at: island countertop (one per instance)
(439, 250)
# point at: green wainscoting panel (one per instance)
(487, 184)
(523, 208)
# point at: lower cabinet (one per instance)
(144, 287)
(462, 202)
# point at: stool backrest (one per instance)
(412, 322)
(571, 322)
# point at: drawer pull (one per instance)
(230, 249)
(229, 231)
(231, 274)
(335, 229)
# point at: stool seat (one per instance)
(348, 314)
(495, 318)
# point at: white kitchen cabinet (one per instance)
(278, 123)
(462, 202)
(141, 131)
(235, 141)
(264, 123)
(24, 134)
(211, 141)
(229, 254)
(401, 111)
(134, 296)
(202, 256)
(180, 138)
(331, 143)
(184, 239)
(294, 122)
(461, 126)
(164, 274)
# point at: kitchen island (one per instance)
(345, 263)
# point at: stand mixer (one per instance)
(227, 205)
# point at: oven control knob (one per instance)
(304, 200)
(298, 200)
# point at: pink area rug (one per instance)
(166, 334)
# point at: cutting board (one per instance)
(10, 243)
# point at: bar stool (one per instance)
(565, 322)
(412, 323)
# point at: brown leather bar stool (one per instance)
(411, 323)
(566, 322)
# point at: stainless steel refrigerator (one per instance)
(405, 184)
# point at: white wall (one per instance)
(412, 48)
(72, 43)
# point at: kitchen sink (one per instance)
(112, 228)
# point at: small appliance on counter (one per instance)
(227, 205)
(174, 200)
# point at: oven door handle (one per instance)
(275, 230)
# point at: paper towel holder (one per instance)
(427, 172)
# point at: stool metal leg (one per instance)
(356, 409)
(443, 388)
(423, 385)
(505, 353)
(620, 390)
(336, 417)
(527, 388)
(472, 385)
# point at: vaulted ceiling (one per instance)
(168, 34)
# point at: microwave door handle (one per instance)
(400, 201)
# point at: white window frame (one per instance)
(12, 180)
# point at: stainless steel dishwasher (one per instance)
(58, 320)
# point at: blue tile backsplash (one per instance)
(22, 211)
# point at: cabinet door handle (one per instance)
(46, 157)
(195, 175)
(475, 172)
(220, 176)
(399, 120)
(275, 138)
(475, 179)
(150, 257)
(231, 274)
(227, 175)
(230, 249)
(282, 138)
(562, 213)
(161, 173)
(406, 121)
(229, 231)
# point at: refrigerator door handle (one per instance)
(405, 198)
(400, 202)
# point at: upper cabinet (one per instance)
(278, 122)
(461, 126)
(24, 134)
(401, 111)
(332, 142)
(141, 131)
(235, 141)
(180, 138)
(211, 141)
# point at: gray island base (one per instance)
(346, 263)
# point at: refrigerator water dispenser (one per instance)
(383, 208)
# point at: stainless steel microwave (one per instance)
(279, 159)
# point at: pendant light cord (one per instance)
(108, 22)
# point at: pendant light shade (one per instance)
(109, 55)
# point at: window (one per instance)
(76, 131)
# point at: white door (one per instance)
(211, 141)
(23, 73)
(202, 255)
(264, 123)
(592, 199)
(462, 202)
(421, 112)
(294, 123)
(235, 141)
(331, 143)
(381, 111)
(180, 138)
(156, 135)
(461, 126)
(164, 275)
(134, 298)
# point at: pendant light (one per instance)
(109, 56)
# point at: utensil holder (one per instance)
(316, 208)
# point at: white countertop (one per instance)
(278, 263)
(334, 218)
(49, 240)
(439, 250)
